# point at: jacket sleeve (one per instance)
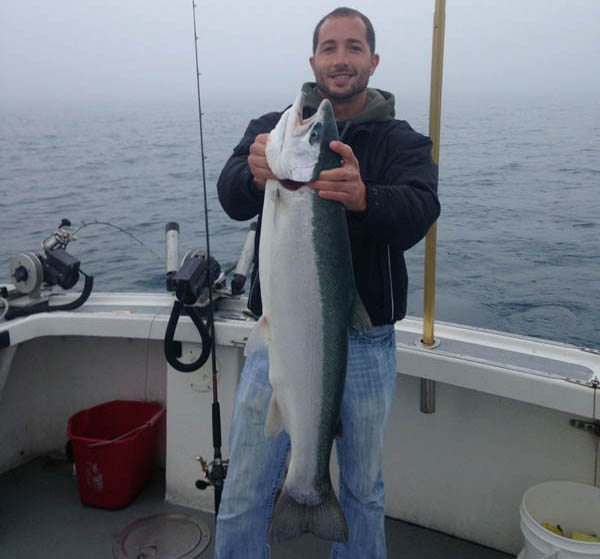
(403, 203)
(235, 187)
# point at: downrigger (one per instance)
(34, 276)
(197, 285)
(193, 296)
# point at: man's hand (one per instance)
(343, 184)
(258, 162)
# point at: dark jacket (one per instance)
(401, 180)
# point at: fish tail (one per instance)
(291, 519)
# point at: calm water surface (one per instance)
(518, 239)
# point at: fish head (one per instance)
(298, 149)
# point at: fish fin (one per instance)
(360, 317)
(291, 519)
(258, 337)
(274, 422)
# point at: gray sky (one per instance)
(130, 50)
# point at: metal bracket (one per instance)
(592, 427)
(421, 345)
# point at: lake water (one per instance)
(518, 238)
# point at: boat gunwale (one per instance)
(145, 316)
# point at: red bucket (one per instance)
(114, 445)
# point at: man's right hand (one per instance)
(258, 162)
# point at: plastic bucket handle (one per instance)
(148, 423)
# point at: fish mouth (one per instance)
(302, 159)
(292, 185)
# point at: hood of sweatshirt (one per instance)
(380, 105)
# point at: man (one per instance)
(387, 183)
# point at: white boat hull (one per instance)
(501, 423)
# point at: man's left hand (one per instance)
(343, 184)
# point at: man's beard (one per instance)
(356, 89)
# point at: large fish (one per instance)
(309, 304)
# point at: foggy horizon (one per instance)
(137, 53)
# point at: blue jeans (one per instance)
(257, 463)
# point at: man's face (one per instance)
(343, 62)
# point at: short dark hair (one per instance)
(347, 12)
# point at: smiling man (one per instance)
(343, 61)
(387, 183)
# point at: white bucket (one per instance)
(575, 506)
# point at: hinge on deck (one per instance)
(592, 427)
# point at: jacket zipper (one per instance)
(344, 130)
(389, 266)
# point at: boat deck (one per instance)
(41, 517)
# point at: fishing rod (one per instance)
(216, 476)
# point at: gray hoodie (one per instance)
(379, 106)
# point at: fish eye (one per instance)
(315, 133)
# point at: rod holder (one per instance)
(427, 404)
(427, 396)
(172, 246)
(245, 262)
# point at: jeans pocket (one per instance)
(382, 336)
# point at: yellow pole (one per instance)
(435, 113)
(435, 117)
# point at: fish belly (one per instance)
(307, 343)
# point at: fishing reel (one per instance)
(32, 274)
(214, 473)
